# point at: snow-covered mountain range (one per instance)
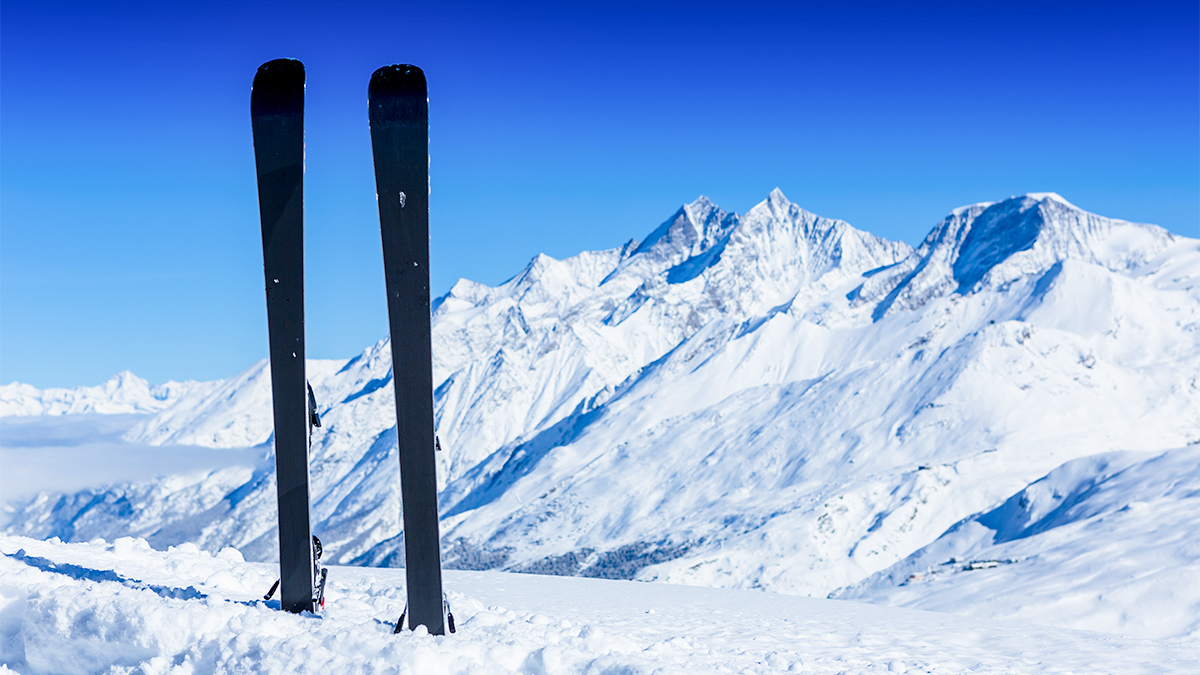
(122, 393)
(774, 400)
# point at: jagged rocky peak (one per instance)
(817, 243)
(779, 208)
(748, 264)
(774, 237)
(693, 229)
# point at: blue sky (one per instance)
(129, 234)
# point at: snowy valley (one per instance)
(1002, 422)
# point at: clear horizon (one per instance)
(130, 234)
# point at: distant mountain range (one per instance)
(122, 393)
(773, 400)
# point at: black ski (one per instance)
(277, 117)
(399, 115)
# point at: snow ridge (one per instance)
(988, 245)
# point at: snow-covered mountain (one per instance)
(774, 400)
(122, 393)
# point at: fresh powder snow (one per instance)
(123, 607)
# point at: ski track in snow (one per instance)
(124, 607)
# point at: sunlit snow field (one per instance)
(123, 607)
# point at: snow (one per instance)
(772, 401)
(125, 607)
(1039, 196)
(1078, 547)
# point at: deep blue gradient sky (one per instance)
(129, 233)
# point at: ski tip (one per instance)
(400, 76)
(278, 87)
(282, 64)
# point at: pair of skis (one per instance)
(399, 118)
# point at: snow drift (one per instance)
(124, 607)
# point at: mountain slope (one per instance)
(1078, 547)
